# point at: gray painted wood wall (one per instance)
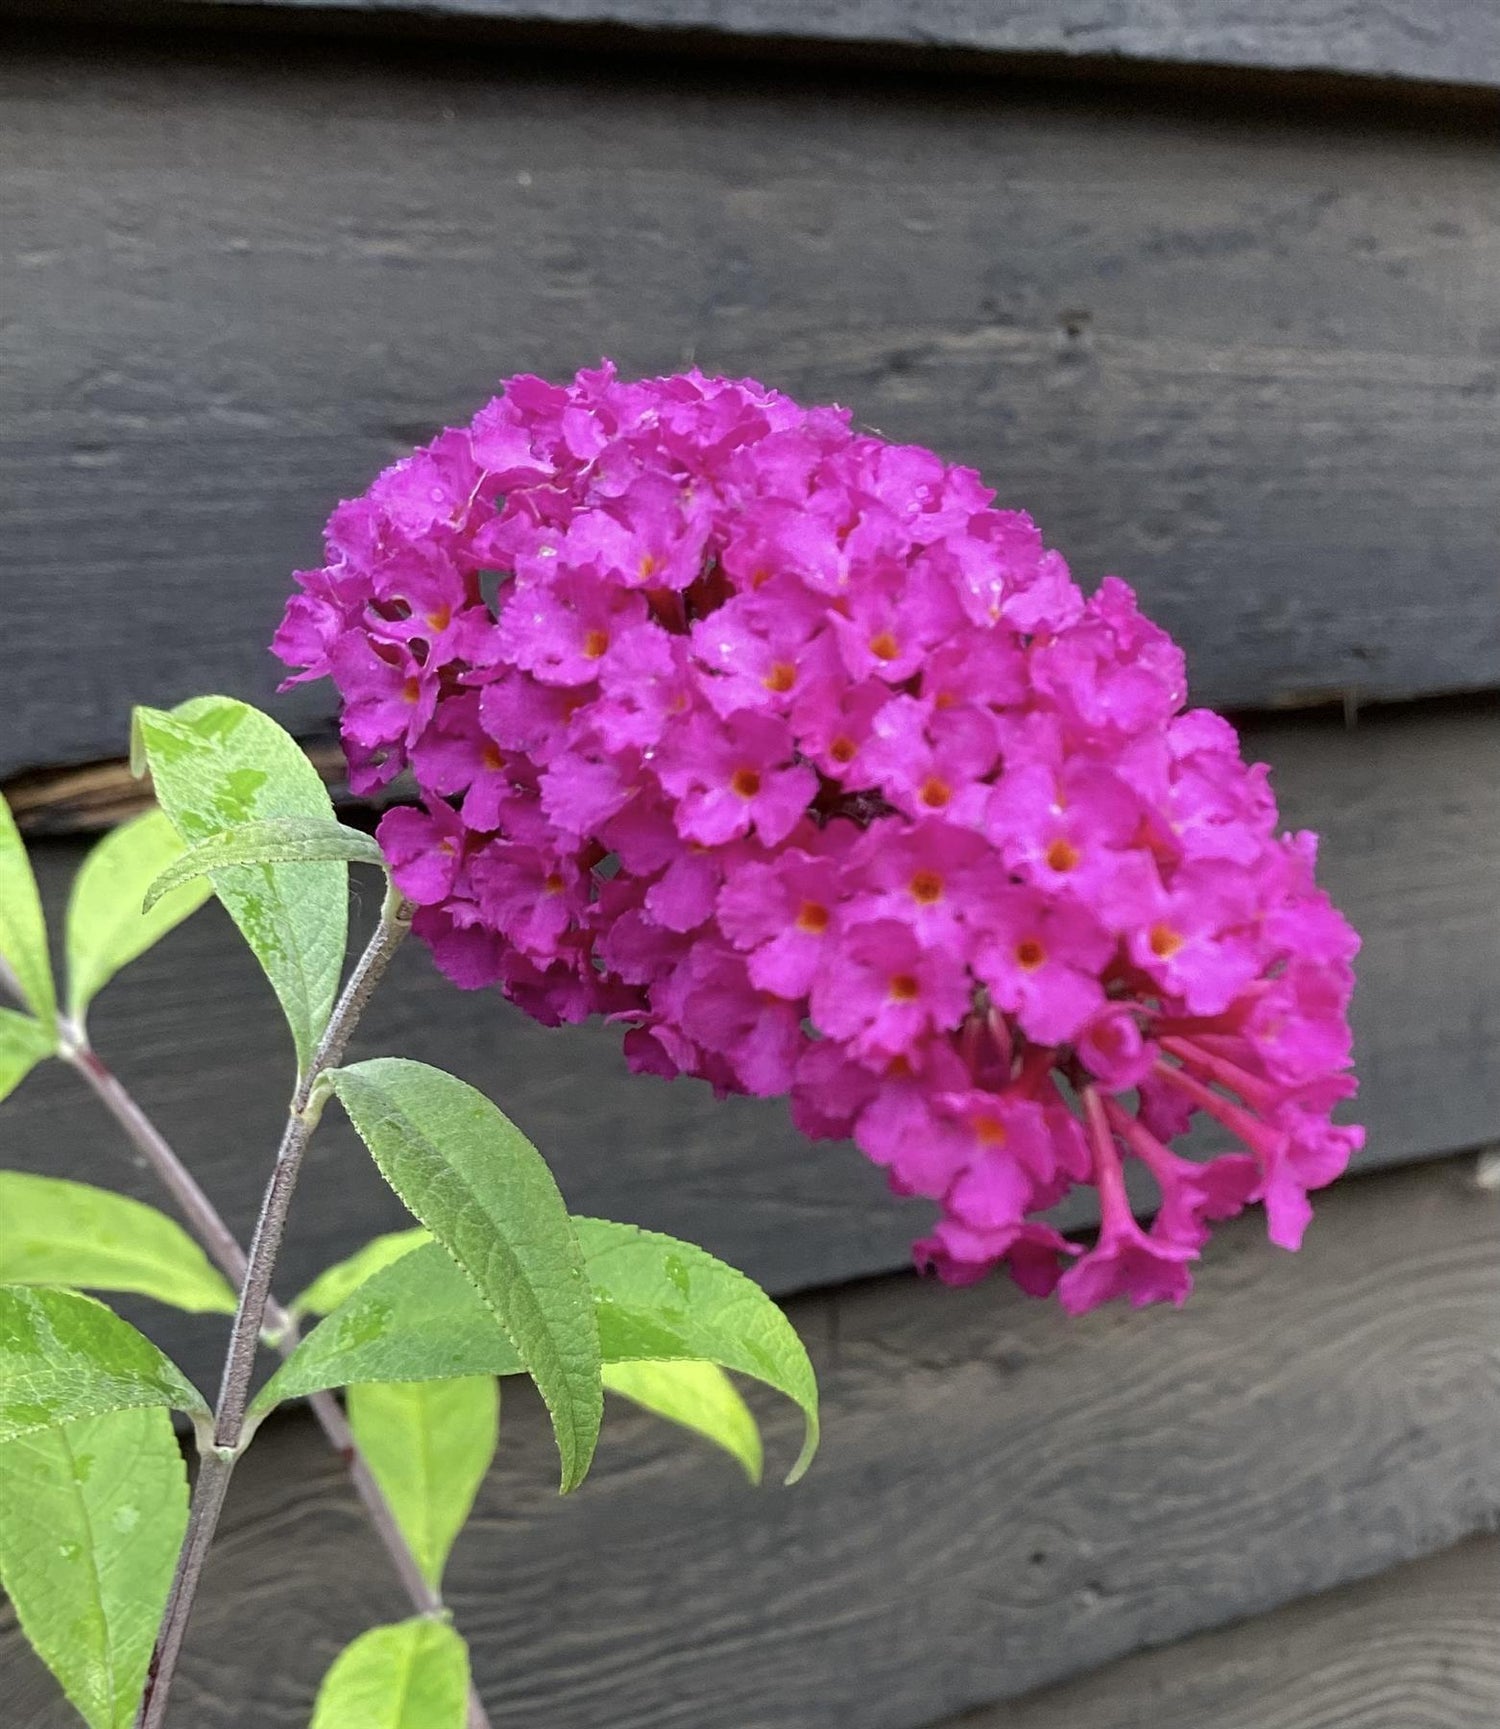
(1215, 291)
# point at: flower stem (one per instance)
(281, 1325)
(215, 1465)
(208, 1226)
(200, 1213)
(281, 1330)
(218, 1461)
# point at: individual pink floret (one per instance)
(729, 777)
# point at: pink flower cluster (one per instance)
(782, 747)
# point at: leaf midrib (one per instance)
(308, 1032)
(443, 1173)
(92, 1550)
(409, 1664)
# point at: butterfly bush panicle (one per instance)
(782, 747)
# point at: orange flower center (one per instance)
(745, 782)
(781, 677)
(988, 1130)
(492, 758)
(1030, 954)
(411, 690)
(904, 988)
(1165, 942)
(884, 646)
(843, 750)
(812, 917)
(935, 793)
(441, 619)
(595, 643)
(926, 887)
(1062, 855)
(554, 884)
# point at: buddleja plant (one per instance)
(100, 1551)
(782, 748)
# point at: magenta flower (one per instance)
(782, 747)
(884, 992)
(783, 913)
(1127, 1261)
(733, 775)
(1042, 959)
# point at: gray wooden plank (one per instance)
(1409, 806)
(1005, 1498)
(1248, 364)
(1415, 1648)
(1456, 41)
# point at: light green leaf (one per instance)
(106, 927)
(23, 1044)
(659, 1299)
(62, 1355)
(277, 840)
(698, 1396)
(23, 930)
(655, 1299)
(336, 1283)
(414, 1675)
(418, 1319)
(429, 1444)
(61, 1233)
(91, 1519)
(219, 764)
(485, 1193)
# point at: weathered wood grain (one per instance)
(1005, 1498)
(100, 795)
(1412, 1648)
(1409, 806)
(1456, 41)
(1251, 365)
(1416, 1648)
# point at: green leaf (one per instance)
(62, 1355)
(336, 1283)
(23, 930)
(106, 928)
(443, 1328)
(485, 1193)
(659, 1299)
(277, 840)
(414, 1675)
(418, 1319)
(429, 1444)
(91, 1519)
(219, 764)
(656, 1299)
(23, 1044)
(61, 1233)
(698, 1396)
